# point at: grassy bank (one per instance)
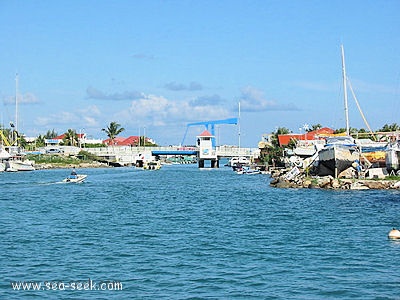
(47, 161)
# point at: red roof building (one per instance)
(206, 133)
(123, 141)
(78, 135)
(318, 134)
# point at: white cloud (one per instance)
(159, 111)
(253, 100)
(91, 110)
(84, 117)
(27, 98)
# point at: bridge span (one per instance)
(126, 155)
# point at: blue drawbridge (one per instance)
(210, 126)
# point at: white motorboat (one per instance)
(75, 178)
(19, 163)
(247, 170)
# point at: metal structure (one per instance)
(210, 126)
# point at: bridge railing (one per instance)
(124, 150)
(230, 151)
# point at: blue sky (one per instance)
(155, 66)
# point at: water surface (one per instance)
(185, 233)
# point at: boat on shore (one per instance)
(392, 157)
(338, 154)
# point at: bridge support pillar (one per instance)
(214, 163)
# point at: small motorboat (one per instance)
(394, 234)
(247, 170)
(75, 178)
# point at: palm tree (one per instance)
(314, 127)
(40, 141)
(113, 130)
(389, 128)
(70, 138)
(50, 134)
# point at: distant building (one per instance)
(58, 139)
(133, 141)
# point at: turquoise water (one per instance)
(185, 233)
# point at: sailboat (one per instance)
(340, 152)
(17, 161)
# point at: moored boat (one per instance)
(4, 156)
(19, 163)
(247, 170)
(152, 165)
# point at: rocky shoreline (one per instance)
(280, 180)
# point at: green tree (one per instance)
(50, 134)
(70, 138)
(389, 128)
(113, 130)
(314, 127)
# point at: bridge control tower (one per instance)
(206, 150)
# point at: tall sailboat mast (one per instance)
(16, 103)
(346, 108)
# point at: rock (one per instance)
(374, 184)
(325, 181)
(284, 184)
(307, 183)
(274, 182)
(335, 184)
(348, 173)
(358, 186)
(396, 185)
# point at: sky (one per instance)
(154, 66)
